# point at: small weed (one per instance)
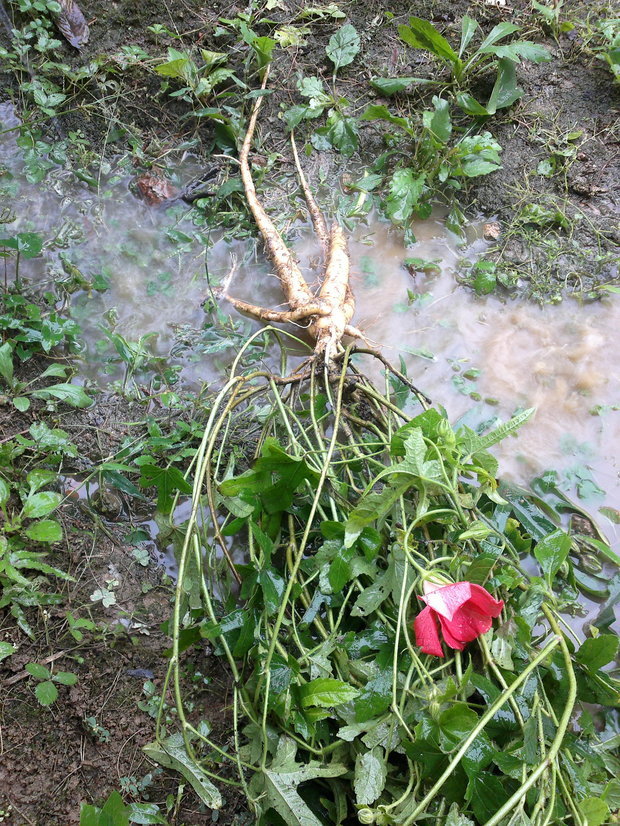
(101, 734)
(45, 689)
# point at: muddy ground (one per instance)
(51, 758)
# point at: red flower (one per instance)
(464, 611)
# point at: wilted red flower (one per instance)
(464, 612)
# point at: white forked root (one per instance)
(327, 314)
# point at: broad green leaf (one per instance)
(485, 279)
(28, 244)
(65, 678)
(6, 649)
(89, 815)
(71, 394)
(172, 754)
(343, 46)
(39, 672)
(326, 692)
(40, 504)
(341, 132)
(47, 530)
(6, 363)
(596, 652)
(39, 478)
(406, 189)
(114, 812)
(370, 776)
(486, 794)
(594, 810)
(423, 35)
(393, 85)
(166, 480)
(438, 122)
(177, 67)
(46, 693)
(523, 50)
(505, 91)
(469, 104)
(54, 371)
(551, 551)
(22, 403)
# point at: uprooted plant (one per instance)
(351, 509)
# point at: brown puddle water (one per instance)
(477, 356)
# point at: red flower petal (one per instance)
(450, 639)
(426, 633)
(482, 600)
(466, 624)
(445, 601)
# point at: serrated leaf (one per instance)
(46, 693)
(65, 678)
(370, 776)
(406, 190)
(172, 754)
(343, 46)
(39, 672)
(6, 649)
(28, 244)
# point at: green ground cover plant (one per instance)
(349, 510)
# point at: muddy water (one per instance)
(478, 357)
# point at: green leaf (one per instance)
(393, 85)
(485, 280)
(37, 479)
(376, 112)
(326, 692)
(47, 530)
(341, 132)
(406, 189)
(114, 811)
(65, 678)
(28, 244)
(438, 122)
(71, 394)
(21, 403)
(40, 504)
(594, 810)
(469, 104)
(6, 363)
(145, 814)
(6, 649)
(166, 480)
(496, 34)
(423, 35)
(370, 776)
(596, 652)
(468, 30)
(39, 672)
(273, 587)
(89, 815)
(486, 794)
(551, 551)
(343, 46)
(373, 506)
(46, 693)
(171, 753)
(505, 91)
(5, 492)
